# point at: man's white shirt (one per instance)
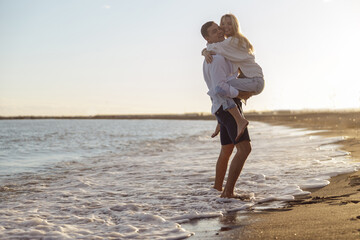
(216, 75)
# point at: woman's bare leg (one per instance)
(241, 122)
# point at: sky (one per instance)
(89, 57)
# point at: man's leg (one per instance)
(221, 165)
(243, 151)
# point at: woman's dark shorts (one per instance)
(228, 128)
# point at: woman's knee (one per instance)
(261, 86)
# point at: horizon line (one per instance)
(190, 115)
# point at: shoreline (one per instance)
(331, 212)
(264, 115)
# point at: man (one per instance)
(215, 74)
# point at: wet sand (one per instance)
(332, 212)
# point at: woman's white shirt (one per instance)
(238, 56)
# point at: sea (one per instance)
(142, 179)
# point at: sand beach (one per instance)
(331, 212)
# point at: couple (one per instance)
(231, 74)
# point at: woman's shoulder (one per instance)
(233, 41)
(228, 41)
(217, 45)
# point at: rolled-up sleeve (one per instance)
(218, 73)
(230, 49)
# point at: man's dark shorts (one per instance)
(228, 128)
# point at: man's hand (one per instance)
(207, 55)
(245, 95)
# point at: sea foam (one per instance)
(130, 179)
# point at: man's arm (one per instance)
(222, 87)
(218, 76)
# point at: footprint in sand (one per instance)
(354, 181)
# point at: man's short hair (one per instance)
(204, 28)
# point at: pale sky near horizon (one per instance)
(87, 57)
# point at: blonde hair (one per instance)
(243, 41)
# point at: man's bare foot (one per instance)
(241, 128)
(218, 188)
(216, 132)
(227, 195)
(232, 195)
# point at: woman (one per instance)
(247, 74)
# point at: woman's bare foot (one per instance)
(217, 130)
(241, 128)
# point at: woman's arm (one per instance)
(207, 54)
(230, 50)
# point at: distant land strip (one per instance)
(189, 116)
(198, 116)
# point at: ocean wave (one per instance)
(145, 188)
